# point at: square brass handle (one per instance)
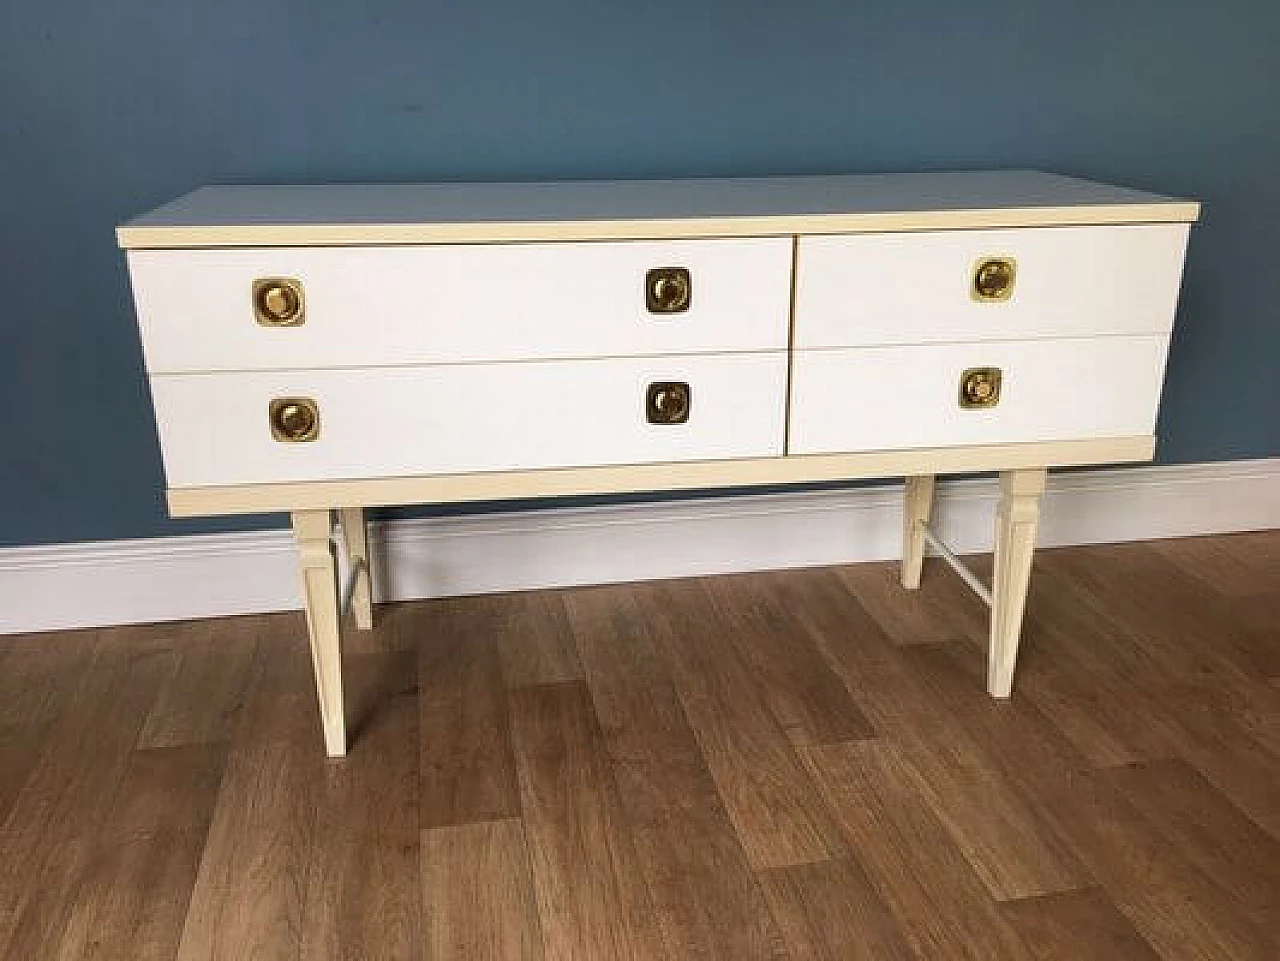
(294, 420)
(993, 279)
(668, 402)
(668, 290)
(980, 388)
(278, 302)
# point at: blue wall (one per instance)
(113, 107)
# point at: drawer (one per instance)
(916, 288)
(373, 306)
(215, 429)
(888, 398)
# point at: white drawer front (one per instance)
(889, 398)
(388, 422)
(913, 288)
(371, 306)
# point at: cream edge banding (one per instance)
(335, 235)
(633, 478)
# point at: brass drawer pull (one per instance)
(294, 420)
(980, 388)
(277, 302)
(667, 402)
(993, 279)
(668, 290)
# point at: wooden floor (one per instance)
(786, 765)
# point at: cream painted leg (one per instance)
(916, 508)
(357, 544)
(320, 592)
(1016, 519)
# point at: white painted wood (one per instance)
(884, 398)
(390, 422)
(370, 306)
(917, 505)
(628, 478)
(873, 289)
(1017, 517)
(356, 543)
(320, 594)
(332, 214)
(57, 587)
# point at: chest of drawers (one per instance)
(322, 349)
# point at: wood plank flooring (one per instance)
(792, 765)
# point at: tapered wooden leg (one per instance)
(1016, 519)
(916, 508)
(357, 544)
(320, 593)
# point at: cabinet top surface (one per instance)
(341, 214)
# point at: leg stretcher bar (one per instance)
(957, 565)
(360, 566)
(1017, 516)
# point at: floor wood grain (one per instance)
(1176, 907)
(791, 765)
(592, 899)
(136, 891)
(477, 893)
(704, 892)
(200, 702)
(362, 895)
(468, 772)
(48, 841)
(829, 911)
(913, 864)
(1073, 925)
(251, 889)
(769, 797)
(802, 690)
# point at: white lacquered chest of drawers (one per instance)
(323, 349)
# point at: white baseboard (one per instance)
(176, 578)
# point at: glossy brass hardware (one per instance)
(668, 290)
(993, 279)
(277, 302)
(667, 402)
(980, 388)
(294, 420)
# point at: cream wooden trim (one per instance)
(512, 485)
(917, 506)
(354, 234)
(1017, 520)
(313, 530)
(356, 541)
